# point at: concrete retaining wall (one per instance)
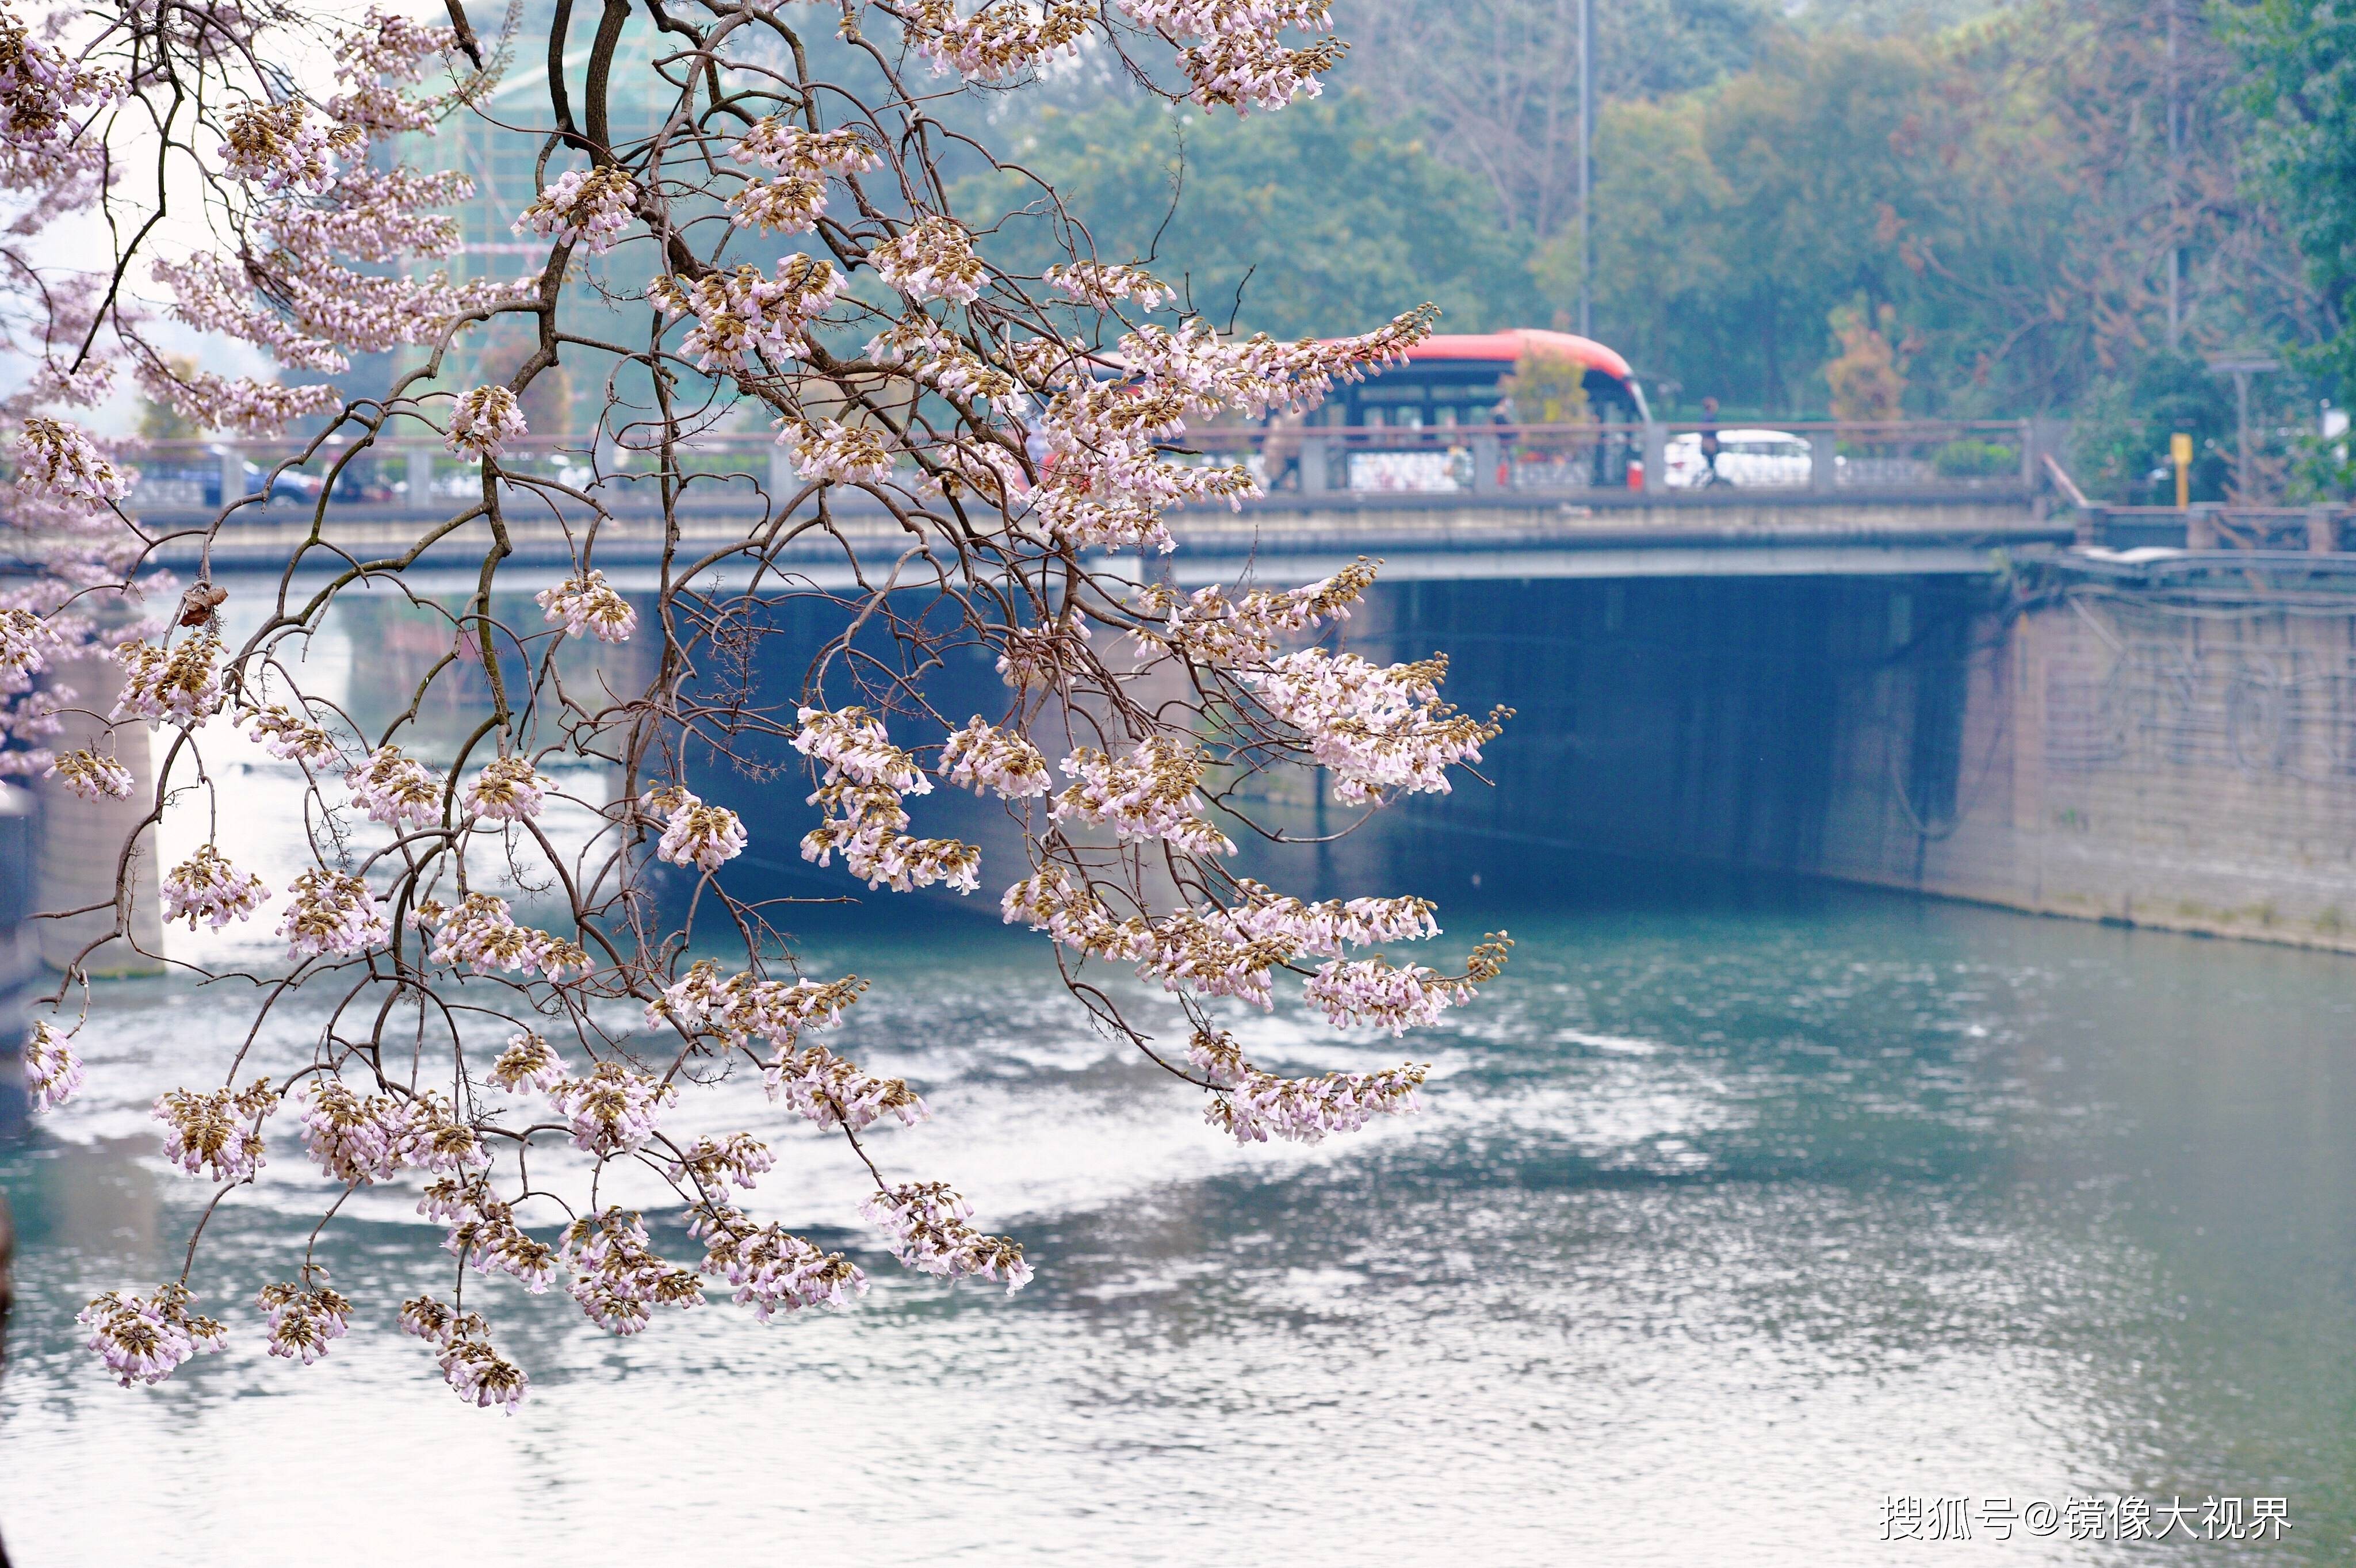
(2183, 759)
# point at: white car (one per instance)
(1750, 459)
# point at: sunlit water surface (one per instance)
(1729, 1216)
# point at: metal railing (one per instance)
(2212, 526)
(1661, 463)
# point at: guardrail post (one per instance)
(232, 474)
(1656, 458)
(420, 497)
(2090, 527)
(781, 470)
(2200, 531)
(2322, 531)
(1312, 460)
(1484, 462)
(1820, 461)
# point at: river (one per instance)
(1735, 1212)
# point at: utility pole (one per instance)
(2175, 184)
(2242, 369)
(1586, 168)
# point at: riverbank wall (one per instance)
(2176, 753)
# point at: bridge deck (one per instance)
(1729, 533)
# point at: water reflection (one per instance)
(1729, 1214)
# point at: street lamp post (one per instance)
(1586, 168)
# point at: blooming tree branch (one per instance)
(785, 240)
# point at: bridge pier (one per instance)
(80, 838)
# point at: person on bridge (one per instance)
(1709, 448)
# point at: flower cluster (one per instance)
(219, 1132)
(1376, 727)
(329, 310)
(616, 1275)
(982, 758)
(1101, 284)
(234, 402)
(52, 1071)
(833, 1092)
(93, 777)
(26, 640)
(1257, 1105)
(860, 792)
(923, 1223)
(853, 743)
(484, 1235)
(179, 685)
(304, 1319)
(588, 608)
(592, 206)
(482, 933)
(744, 312)
(793, 203)
(510, 790)
(485, 421)
(743, 1008)
(354, 1138)
(385, 46)
(773, 1270)
(1240, 58)
(713, 1163)
(706, 837)
(1327, 927)
(867, 825)
(1149, 794)
(292, 738)
(58, 459)
(1371, 992)
(778, 145)
(1211, 628)
(1110, 483)
(332, 913)
(931, 356)
(933, 259)
(143, 1341)
(279, 147)
(836, 452)
(41, 88)
(205, 887)
(1229, 952)
(997, 40)
(527, 1062)
(478, 1374)
(788, 206)
(395, 788)
(613, 1110)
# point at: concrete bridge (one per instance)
(1977, 685)
(1488, 503)
(1441, 503)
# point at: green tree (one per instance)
(1662, 256)
(1313, 222)
(2300, 92)
(2120, 445)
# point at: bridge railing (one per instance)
(2206, 526)
(1664, 463)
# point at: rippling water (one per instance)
(1731, 1213)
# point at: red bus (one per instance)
(1455, 380)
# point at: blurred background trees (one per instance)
(2040, 206)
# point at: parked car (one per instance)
(1750, 458)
